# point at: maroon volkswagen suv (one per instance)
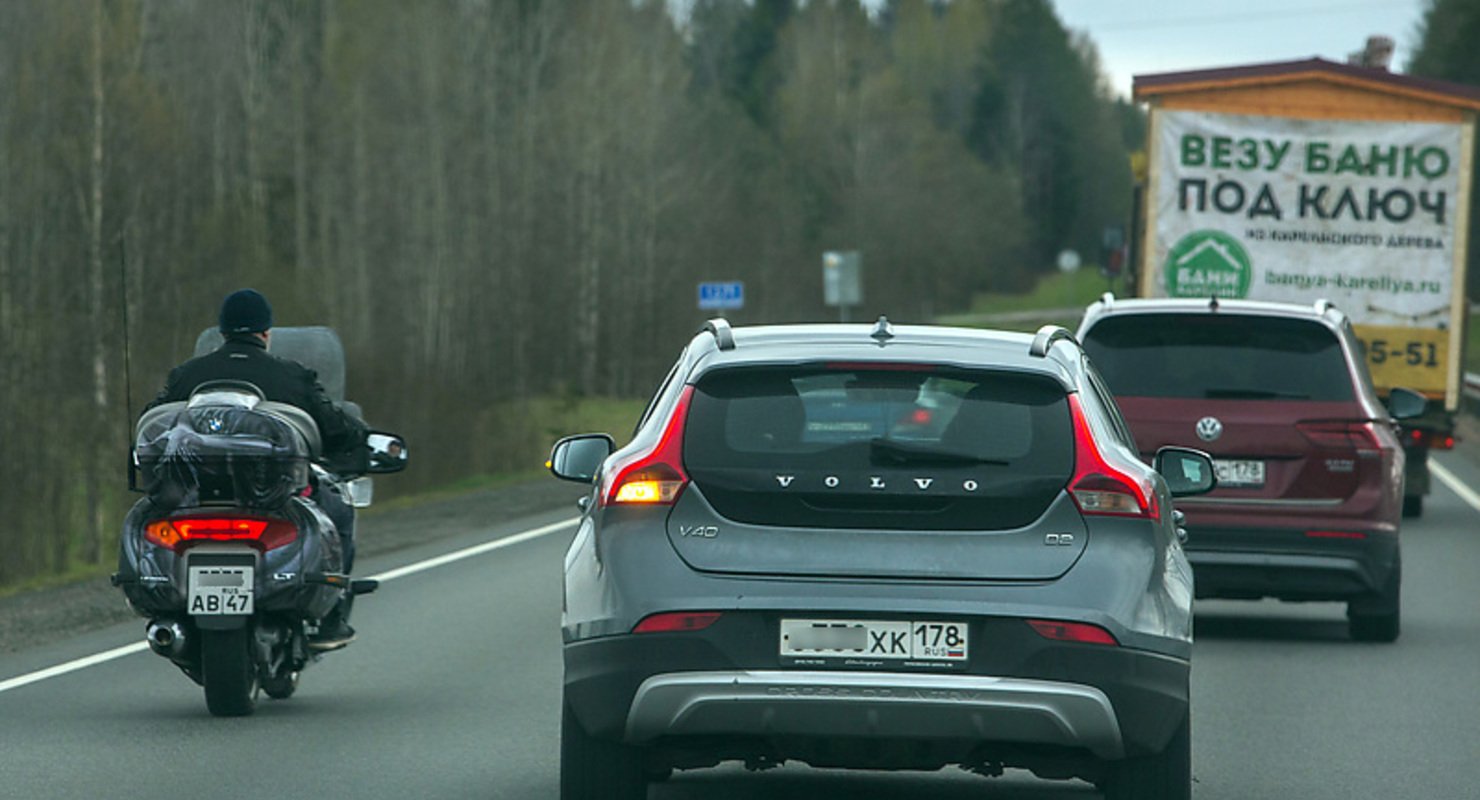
(1310, 468)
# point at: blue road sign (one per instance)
(720, 295)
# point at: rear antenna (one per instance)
(883, 331)
(1213, 303)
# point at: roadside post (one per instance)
(1068, 264)
(842, 280)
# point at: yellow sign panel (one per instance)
(1414, 358)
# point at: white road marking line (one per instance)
(72, 666)
(390, 575)
(1455, 484)
(477, 549)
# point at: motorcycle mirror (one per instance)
(388, 452)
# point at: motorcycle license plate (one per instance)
(217, 590)
(858, 641)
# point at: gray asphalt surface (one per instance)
(453, 691)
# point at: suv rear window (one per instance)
(1229, 357)
(1006, 436)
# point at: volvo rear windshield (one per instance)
(814, 444)
(1229, 357)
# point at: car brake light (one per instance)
(1072, 632)
(1340, 434)
(656, 476)
(675, 621)
(1100, 487)
(268, 534)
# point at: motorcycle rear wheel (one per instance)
(230, 676)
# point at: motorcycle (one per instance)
(227, 555)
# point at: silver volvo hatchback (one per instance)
(878, 548)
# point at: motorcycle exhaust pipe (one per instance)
(166, 638)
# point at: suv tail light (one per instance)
(676, 621)
(268, 534)
(1101, 487)
(1340, 434)
(655, 476)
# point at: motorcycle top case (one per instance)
(224, 449)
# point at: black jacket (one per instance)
(245, 358)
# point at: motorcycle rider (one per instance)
(246, 323)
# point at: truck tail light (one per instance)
(1433, 440)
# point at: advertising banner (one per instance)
(1290, 210)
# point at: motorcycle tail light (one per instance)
(266, 534)
(655, 476)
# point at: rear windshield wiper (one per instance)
(1251, 394)
(893, 451)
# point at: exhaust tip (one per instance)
(165, 637)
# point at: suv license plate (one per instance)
(860, 641)
(1239, 473)
(220, 590)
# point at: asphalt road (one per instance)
(453, 691)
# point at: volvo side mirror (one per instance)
(577, 458)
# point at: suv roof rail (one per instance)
(723, 335)
(1047, 336)
(1107, 299)
(1323, 305)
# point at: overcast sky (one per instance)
(1141, 36)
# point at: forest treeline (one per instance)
(497, 202)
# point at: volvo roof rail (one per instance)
(1047, 336)
(724, 337)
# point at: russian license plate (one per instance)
(220, 590)
(861, 642)
(1239, 472)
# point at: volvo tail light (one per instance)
(267, 534)
(1100, 486)
(676, 621)
(1083, 632)
(1340, 434)
(655, 476)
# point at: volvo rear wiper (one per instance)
(893, 451)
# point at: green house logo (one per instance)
(1208, 264)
